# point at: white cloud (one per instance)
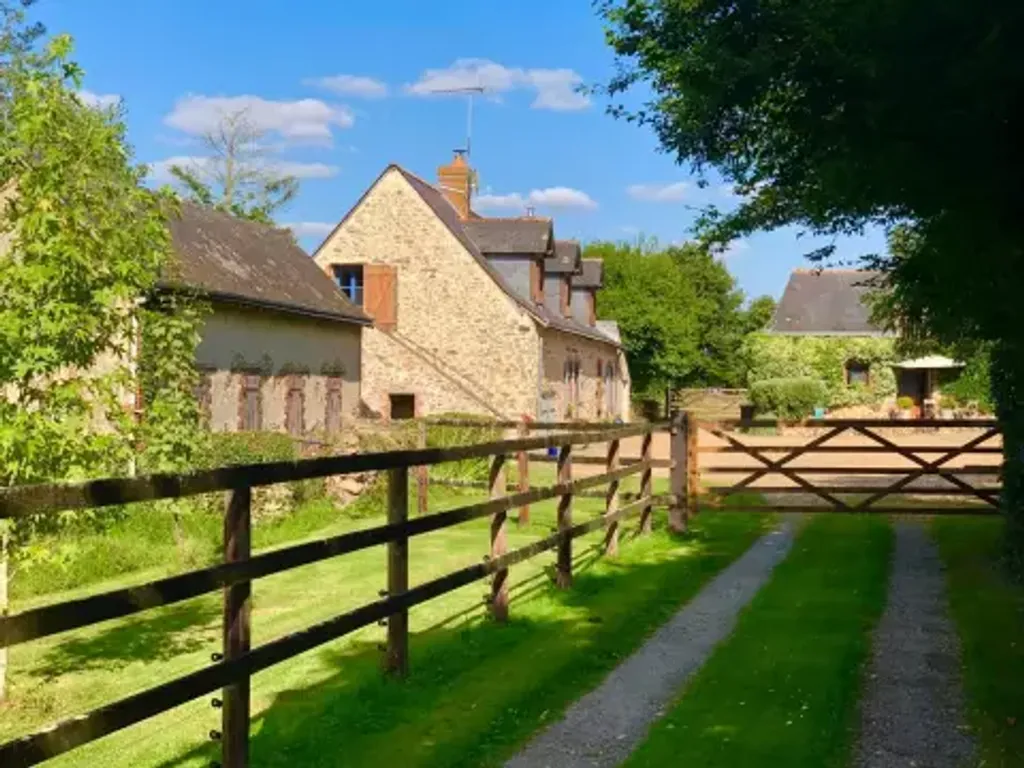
(659, 193)
(552, 197)
(98, 100)
(351, 85)
(310, 120)
(733, 249)
(553, 89)
(310, 228)
(160, 170)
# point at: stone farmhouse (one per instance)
(491, 316)
(281, 349)
(834, 303)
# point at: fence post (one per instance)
(523, 467)
(679, 473)
(499, 541)
(422, 474)
(563, 571)
(645, 483)
(237, 630)
(692, 464)
(611, 503)
(397, 662)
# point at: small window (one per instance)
(295, 406)
(403, 406)
(350, 279)
(858, 373)
(332, 416)
(251, 404)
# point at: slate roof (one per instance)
(592, 275)
(508, 236)
(565, 260)
(244, 262)
(450, 218)
(826, 302)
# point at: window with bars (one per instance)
(858, 372)
(332, 415)
(250, 405)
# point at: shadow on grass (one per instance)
(178, 629)
(478, 689)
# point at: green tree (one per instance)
(833, 116)
(759, 314)
(237, 175)
(679, 312)
(83, 244)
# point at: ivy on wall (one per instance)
(771, 356)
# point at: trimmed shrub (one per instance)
(790, 398)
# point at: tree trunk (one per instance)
(1007, 369)
(5, 542)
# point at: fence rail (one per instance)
(232, 670)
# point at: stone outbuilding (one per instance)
(281, 350)
(490, 316)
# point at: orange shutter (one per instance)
(380, 294)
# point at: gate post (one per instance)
(677, 512)
(611, 502)
(692, 430)
(236, 629)
(422, 474)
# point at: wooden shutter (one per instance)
(380, 295)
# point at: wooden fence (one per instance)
(775, 460)
(232, 670)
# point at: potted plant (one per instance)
(905, 404)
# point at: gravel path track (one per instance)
(604, 727)
(912, 706)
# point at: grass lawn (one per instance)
(782, 689)
(989, 614)
(476, 690)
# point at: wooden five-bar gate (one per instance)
(232, 669)
(853, 461)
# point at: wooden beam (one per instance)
(24, 500)
(499, 542)
(523, 474)
(611, 504)
(645, 483)
(397, 658)
(237, 630)
(563, 573)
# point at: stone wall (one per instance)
(594, 400)
(460, 343)
(283, 350)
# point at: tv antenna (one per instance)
(470, 91)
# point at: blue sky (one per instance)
(342, 89)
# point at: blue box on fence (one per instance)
(553, 452)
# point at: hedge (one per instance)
(790, 398)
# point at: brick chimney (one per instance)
(455, 181)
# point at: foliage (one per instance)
(904, 403)
(84, 242)
(771, 356)
(851, 132)
(269, 503)
(679, 312)
(236, 176)
(790, 398)
(973, 385)
(759, 314)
